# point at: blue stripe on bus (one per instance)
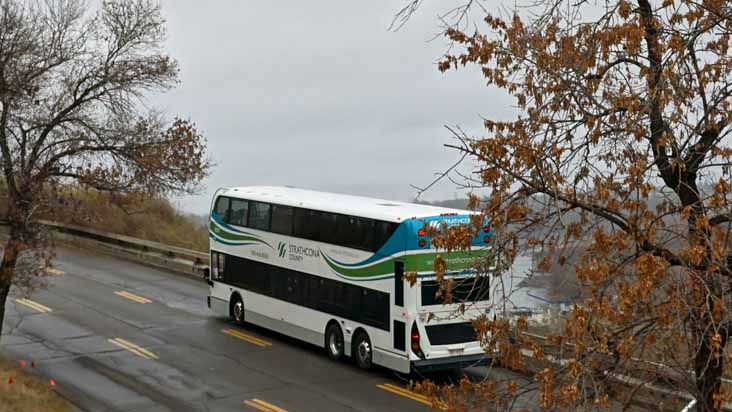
(215, 216)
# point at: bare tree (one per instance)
(621, 144)
(72, 111)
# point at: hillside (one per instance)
(155, 219)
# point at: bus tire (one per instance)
(334, 341)
(362, 350)
(237, 309)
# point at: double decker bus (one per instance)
(329, 269)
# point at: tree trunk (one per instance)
(708, 368)
(7, 268)
(4, 289)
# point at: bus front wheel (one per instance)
(237, 309)
(362, 350)
(334, 341)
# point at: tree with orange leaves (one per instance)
(621, 145)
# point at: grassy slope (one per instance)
(27, 392)
(148, 218)
(145, 218)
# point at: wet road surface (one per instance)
(119, 336)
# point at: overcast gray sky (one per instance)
(320, 95)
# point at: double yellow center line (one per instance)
(263, 406)
(137, 350)
(34, 305)
(132, 296)
(248, 338)
(398, 390)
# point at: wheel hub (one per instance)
(239, 311)
(364, 349)
(335, 344)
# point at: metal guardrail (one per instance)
(198, 258)
(189, 262)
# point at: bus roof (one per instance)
(379, 209)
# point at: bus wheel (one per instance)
(334, 341)
(362, 350)
(237, 309)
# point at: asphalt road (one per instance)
(118, 336)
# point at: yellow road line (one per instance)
(137, 350)
(125, 347)
(34, 305)
(257, 406)
(273, 408)
(248, 338)
(263, 406)
(132, 296)
(405, 393)
(55, 272)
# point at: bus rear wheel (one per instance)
(237, 310)
(334, 341)
(363, 351)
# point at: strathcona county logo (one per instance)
(296, 253)
(437, 224)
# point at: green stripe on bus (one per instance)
(422, 262)
(381, 268)
(223, 234)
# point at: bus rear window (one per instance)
(468, 289)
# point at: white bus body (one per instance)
(312, 265)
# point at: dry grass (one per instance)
(27, 392)
(155, 219)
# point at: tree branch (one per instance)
(719, 219)
(601, 73)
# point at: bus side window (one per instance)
(238, 212)
(399, 283)
(383, 232)
(355, 232)
(306, 225)
(259, 215)
(282, 217)
(374, 308)
(222, 208)
(327, 226)
(344, 234)
(367, 230)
